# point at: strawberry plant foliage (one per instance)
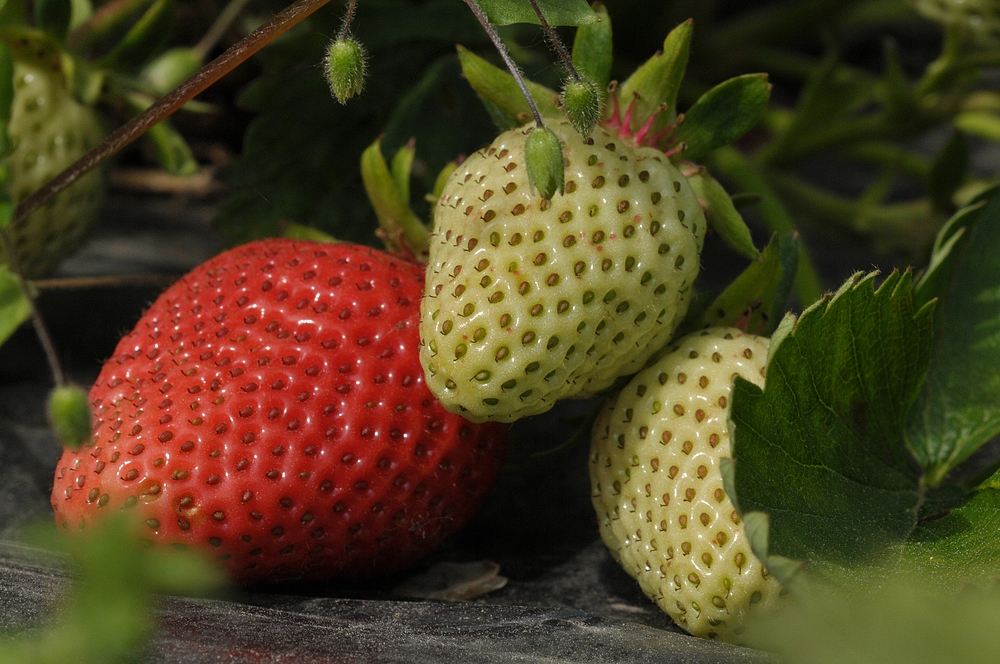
(959, 408)
(820, 450)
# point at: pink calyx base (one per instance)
(643, 136)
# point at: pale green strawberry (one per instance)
(49, 130)
(531, 300)
(657, 487)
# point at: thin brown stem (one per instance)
(345, 26)
(554, 40)
(219, 27)
(509, 61)
(72, 283)
(166, 105)
(41, 330)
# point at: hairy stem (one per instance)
(166, 105)
(509, 61)
(345, 26)
(554, 40)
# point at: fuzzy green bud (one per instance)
(543, 156)
(581, 101)
(69, 415)
(346, 66)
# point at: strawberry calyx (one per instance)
(646, 135)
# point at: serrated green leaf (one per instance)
(958, 409)
(14, 306)
(756, 298)
(657, 81)
(820, 450)
(722, 115)
(722, 215)
(557, 12)
(500, 88)
(948, 171)
(592, 48)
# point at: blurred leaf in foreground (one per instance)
(106, 615)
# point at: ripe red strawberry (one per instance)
(270, 407)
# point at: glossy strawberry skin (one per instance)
(270, 408)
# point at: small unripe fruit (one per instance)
(544, 159)
(69, 415)
(346, 66)
(581, 100)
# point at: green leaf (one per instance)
(755, 300)
(6, 98)
(557, 12)
(959, 408)
(592, 52)
(948, 171)
(498, 87)
(820, 450)
(144, 39)
(960, 548)
(722, 115)
(658, 80)
(14, 306)
(53, 16)
(722, 215)
(979, 123)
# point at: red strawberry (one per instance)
(270, 407)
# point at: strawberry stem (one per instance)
(505, 55)
(345, 27)
(169, 103)
(554, 40)
(41, 329)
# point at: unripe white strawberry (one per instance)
(49, 130)
(657, 486)
(529, 299)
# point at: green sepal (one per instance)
(498, 88)
(402, 165)
(295, 231)
(557, 12)
(755, 300)
(68, 411)
(400, 229)
(948, 171)
(655, 84)
(441, 180)
(543, 157)
(592, 49)
(979, 123)
(722, 215)
(170, 69)
(53, 16)
(15, 308)
(146, 36)
(722, 115)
